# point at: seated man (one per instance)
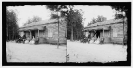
(82, 38)
(24, 38)
(19, 40)
(101, 40)
(89, 38)
(36, 40)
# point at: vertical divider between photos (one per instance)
(58, 30)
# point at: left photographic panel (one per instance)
(35, 33)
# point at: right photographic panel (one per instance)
(99, 33)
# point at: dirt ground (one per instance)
(75, 51)
(84, 52)
(18, 52)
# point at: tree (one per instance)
(54, 16)
(119, 16)
(57, 7)
(98, 19)
(11, 25)
(123, 8)
(73, 18)
(74, 25)
(34, 19)
(101, 19)
(93, 21)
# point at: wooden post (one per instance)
(123, 32)
(110, 33)
(30, 33)
(103, 35)
(58, 33)
(72, 33)
(7, 33)
(103, 32)
(38, 32)
(66, 31)
(58, 30)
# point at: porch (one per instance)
(101, 32)
(34, 32)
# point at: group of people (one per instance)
(29, 40)
(32, 41)
(93, 38)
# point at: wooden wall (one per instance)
(114, 35)
(117, 33)
(51, 33)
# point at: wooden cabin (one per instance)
(110, 30)
(49, 31)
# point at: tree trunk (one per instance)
(7, 33)
(71, 33)
(9, 36)
(77, 37)
(13, 34)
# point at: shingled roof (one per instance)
(38, 25)
(112, 21)
(100, 25)
(41, 22)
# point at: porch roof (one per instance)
(101, 25)
(98, 28)
(38, 25)
(42, 22)
(33, 28)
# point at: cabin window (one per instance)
(117, 32)
(50, 32)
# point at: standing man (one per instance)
(24, 38)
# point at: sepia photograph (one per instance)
(67, 33)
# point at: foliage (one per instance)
(98, 19)
(126, 9)
(101, 18)
(56, 7)
(74, 25)
(122, 8)
(73, 18)
(11, 25)
(54, 16)
(118, 16)
(34, 19)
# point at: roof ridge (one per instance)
(40, 22)
(104, 22)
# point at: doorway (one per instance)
(98, 33)
(33, 34)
